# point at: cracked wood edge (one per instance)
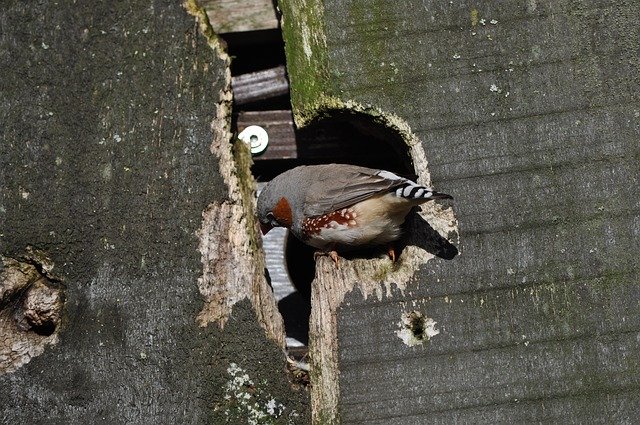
(372, 277)
(233, 263)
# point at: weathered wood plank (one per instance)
(116, 162)
(528, 115)
(236, 16)
(279, 127)
(260, 85)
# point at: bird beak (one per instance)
(264, 228)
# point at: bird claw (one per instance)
(333, 254)
(334, 257)
(392, 253)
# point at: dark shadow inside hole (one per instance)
(254, 51)
(295, 309)
(343, 136)
(300, 265)
(44, 329)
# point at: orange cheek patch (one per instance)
(282, 212)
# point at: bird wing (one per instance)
(339, 186)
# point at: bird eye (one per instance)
(272, 219)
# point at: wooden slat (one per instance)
(279, 126)
(234, 16)
(261, 85)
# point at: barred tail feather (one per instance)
(416, 192)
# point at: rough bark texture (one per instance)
(30, 311)
(529, 114)
(115, 144)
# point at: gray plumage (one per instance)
(316, 190)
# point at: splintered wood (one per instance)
(331, 284)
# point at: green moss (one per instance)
(325, 419)
(474, 18)
(305, 48)
(315, 86)
(194, 9)
(243, 161)
(376, 46)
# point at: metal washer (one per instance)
(256, 137)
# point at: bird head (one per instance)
(274, 209)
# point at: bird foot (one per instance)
(333, 254)
(392, 253)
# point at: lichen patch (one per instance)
(244, 398)
(416, 328)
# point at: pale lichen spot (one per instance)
(415, 328)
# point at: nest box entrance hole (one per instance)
(342, 137)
